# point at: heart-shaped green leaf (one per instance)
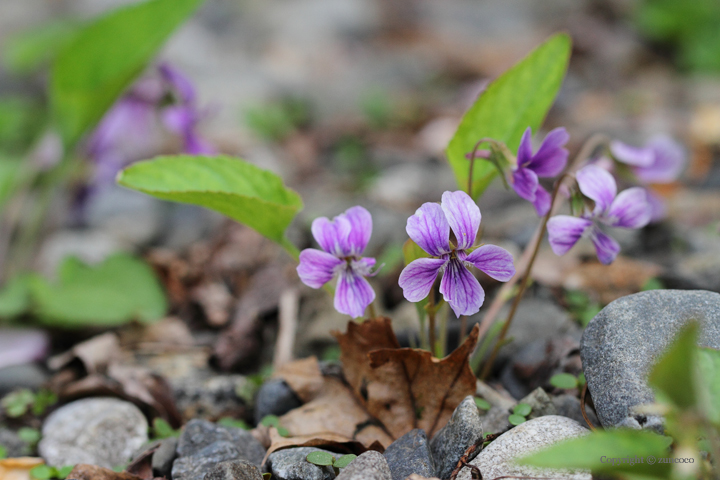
(320, 458)
(519, 98)
(228, 185)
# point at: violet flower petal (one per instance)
(525, 183)
(494, 261)
(316, 267)
(597, 184)
(353, 293)
(630, 209)
(20, 345)
(524, 156)
(418, 277)
(463, 215)
(630, 155)
(551, 158)
(332, 236)
(179, 82)
(196, 145)
(429, 228)
(542, 202)
(669, 161)
(461, 289)
(564, 231)
(605, 246)
(360, 231)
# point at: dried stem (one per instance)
(431, 319)
(582, 407)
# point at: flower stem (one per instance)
(431, 320)
(371, 310)
(587, 149)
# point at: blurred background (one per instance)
(350, 102)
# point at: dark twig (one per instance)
(470, 453)
(582, 407)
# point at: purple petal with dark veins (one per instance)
(353, 293)
(494, 261)
(360, 231)
(430, 229)
(605, 246)
(564, 231)
(316, 267)
(463, 215)
(597, 184)
(551, 158)
(525, 182)
(630, 209)
(542, 202)
(461, 289)
(418, 277)
(332, 236)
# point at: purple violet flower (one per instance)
(430, 229)
(629, 209)
(343, 241)
(661, 160)
(547, 162)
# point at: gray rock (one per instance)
(496, 420)
(203, 394)
(569, 406)
(28, 375)
(496, 460)
(410, 454)
(164, 456)
(234, 470)
(291, 464)
(462, 430)
(13, 445)
(275, 397)
(540, 402)
(623, 341)
(195, 467)
(199, 434)
(370, 465)
(96, 431)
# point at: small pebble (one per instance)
(275, 397)
(370, 465)
(292, 464)
(410, 454)
(234, 470)
(462, 430)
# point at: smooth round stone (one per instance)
(497, 459)
(370, 465)
(95, 431)
(622, 343)
(234, 470)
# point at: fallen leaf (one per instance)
(18, 468)
(142, 465)
(404, 388)
(95, 354)
(303, 377)
(93, 472)
(333, 441)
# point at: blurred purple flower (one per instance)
(19, 345)
(547, 162)
(343, 240)
(629, 209)
(430, 229)
(661, 160)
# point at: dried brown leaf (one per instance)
(142, 465)
(18, 468)
(303, 377)
(334, 441)
(95, 354)
(404, 388)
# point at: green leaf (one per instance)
(15, 296)
(43, 399)
(103, 58)
(231, 186)
(283, 432)
(344, 461)
(267, 475)
(3, 452)
(16, 403)
(674, 376)
(162, 429)
(515, 419)
(29, 435)
(482, 403)
(593, 451)
(709, 363)
(118, 290)
(42, 472)
(63, 472)
(233, 422)
(519, 98)
(522, 409)
(564, 380)
(320, 458)
(29, 50)
(270, 421)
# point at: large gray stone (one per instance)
(370, 465)
(292, 464)
(275, 397)
(497, 459)
(627, 337)
(199, 434)
(196, 466)
(410, 454)
(96, 431)
(462, 430)
(234, 470)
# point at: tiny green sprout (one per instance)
(17, 403)
(522, 409)
(515, 419)
(42, 472)
(162, 429)
(274, 421)
(482, 403)
(233, 422)
(581, 380)
(564, 381)
(43, 399)
(63, 472)
(29, 435)
(3, 452)
(321, 459)
(267, 476)
(344, 461)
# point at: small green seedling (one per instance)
(162, 429)
(482, 404)
(29, 435)
(3, 452)
(520, 413)
(18, 403)
(45, 472)
(325, 459)
(274, 421)
(567, 381)
(234, 422)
